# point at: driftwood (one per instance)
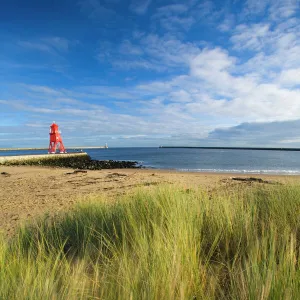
(76, 171)
(5, 174)
(115, 175)
(253, 179)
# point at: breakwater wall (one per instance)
(232, 148)
(18, 159)
(70, 160)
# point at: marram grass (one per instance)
(162, 243)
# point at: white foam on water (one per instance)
(271, 172)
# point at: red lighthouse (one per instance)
(55, 139)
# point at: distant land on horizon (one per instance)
(235, 148)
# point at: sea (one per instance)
(199, 160)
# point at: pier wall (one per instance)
(19, 158)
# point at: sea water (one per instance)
(199, 160)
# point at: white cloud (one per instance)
(170, 51)
(214, 88)
(178, 18)
(283, 8)
(58, 43)
(150, 51)
(173, 8)
(128, 48)
(205, 9)
(274, 50)
(42, 89)
(275, 9)
(290, 77)
(227, 24)
(36, 46)
(250, 37)
(95, 10)
(52, 45)
(174, 17)
(139, 6)
(180, 96)
(210, 59)
(273, 134)
(256, 6)
(138, 64)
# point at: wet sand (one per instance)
(29, 192)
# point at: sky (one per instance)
(138, 73)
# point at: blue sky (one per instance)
(146, 73)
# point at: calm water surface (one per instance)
(200, 160)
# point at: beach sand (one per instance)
(29, 192)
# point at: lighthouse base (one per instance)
(56, 145)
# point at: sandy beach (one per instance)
(29, 192)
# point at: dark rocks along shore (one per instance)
(81, 162)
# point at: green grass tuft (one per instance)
(161, 243)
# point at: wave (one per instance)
(270, 172)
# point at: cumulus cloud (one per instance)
(290, 77)
(218, 86)
(273, 134)
(216, 59)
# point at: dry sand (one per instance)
(28, 192)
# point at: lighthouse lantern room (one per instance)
(55, 140)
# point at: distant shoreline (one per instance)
(232, 148)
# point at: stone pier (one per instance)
(20, 158)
